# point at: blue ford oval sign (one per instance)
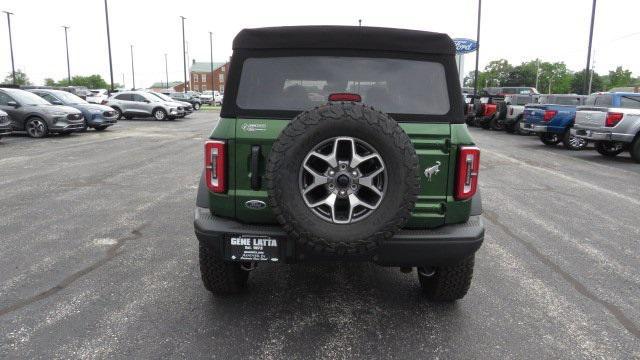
(465, 46)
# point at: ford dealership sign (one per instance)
(465, 46)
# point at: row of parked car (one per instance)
(610, 120)
(42, 111)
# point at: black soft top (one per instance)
(345, 37)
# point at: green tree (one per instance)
(91, 82)
(49, 82)
(619, 77)
(497, 72)
(21, 78)
(577, 83)
(523, 74)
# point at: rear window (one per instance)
(598, 100)
(396, 86)
(631, 102)
(523, 100)
(560, 100)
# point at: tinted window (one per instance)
(47, 97)
(4, 99)
(564, 100)
(126, 97)
(395, 86)
(138, 98)
(523, 100)
(632, 102)
(603, 100)
(26, 98)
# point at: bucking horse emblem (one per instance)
(434, 170)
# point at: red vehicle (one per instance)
(491, 106)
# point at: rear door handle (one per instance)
(255, 167)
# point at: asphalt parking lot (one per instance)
(98, 259)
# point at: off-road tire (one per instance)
(325, 122)
(496, 125)
(221, 277)
(604, 149)
(566, 142)
(550, 139)
(635, 149)
(485, 124)
(517, 129)
(448, 283)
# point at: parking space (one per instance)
(98, 258)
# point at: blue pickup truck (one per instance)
(552, 118)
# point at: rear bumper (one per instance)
(534, 127)
(602, 135)
(445, 245)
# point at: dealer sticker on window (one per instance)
(251, 248)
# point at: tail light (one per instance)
(510, 111)
(548, 115)
(345, 97)
(467, 172)
(613, 118)
(214, 165)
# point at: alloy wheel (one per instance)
(343, 180)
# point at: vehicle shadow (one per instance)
(304, 306)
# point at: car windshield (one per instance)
(161, 96)
(396, 86)
(27, 98)
(68, 98)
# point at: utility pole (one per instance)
(13, 68)
(211, 50)
(106, 14)
(66, 41)
(123, 82)
(593, 64)
(537, 72)
(184, 54)
(586, 70)
(166, 70)
(133, 71)
(475, 80)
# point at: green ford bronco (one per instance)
(340, 143)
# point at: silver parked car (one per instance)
(35, 115)
(132, 104)
(5, 124)
(188, 109)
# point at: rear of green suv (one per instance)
(341, 144)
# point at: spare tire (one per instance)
(341, 178)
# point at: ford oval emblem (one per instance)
(465, 46)
(255, 204)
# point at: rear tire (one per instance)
(550, 139)
(447, 283)
(635, 149)
(221, 277)
(496, 125)
(485, 124)
(609, 148)
(572, 142)
(510, 128)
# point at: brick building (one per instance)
(200, 78)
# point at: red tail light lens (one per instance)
(214, 165)
(467, 172)
(548, 115)
(345, 97)
(510, 111)
(613, 118)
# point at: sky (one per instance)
(552, 30)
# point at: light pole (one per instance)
(475, 80)
(66, 41)
(13, 69)
(184, 54)
(211, 50)
(586, 70)
(359, 22)
(133, 71)
(106, 14)
(166, 70)
(537, 72)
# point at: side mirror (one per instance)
(56, 102)
(146, 101)
(13, 103)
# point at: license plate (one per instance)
(251, 248)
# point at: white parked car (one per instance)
(207, 97)
(217, 98)
(97, 96)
